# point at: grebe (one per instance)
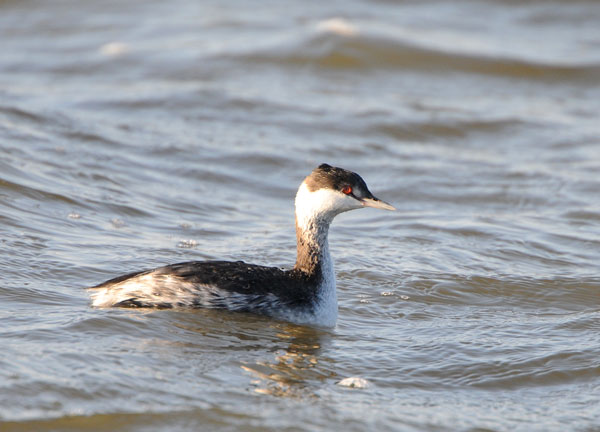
(305, 294)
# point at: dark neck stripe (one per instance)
(311, 242)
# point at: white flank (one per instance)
(157, 289)
(151, 288)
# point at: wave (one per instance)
(373, 51)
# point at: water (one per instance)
(134, 135)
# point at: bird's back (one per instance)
(210, 284)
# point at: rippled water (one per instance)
(143, 133)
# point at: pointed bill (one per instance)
(376, 203)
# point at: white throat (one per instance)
(314, 213)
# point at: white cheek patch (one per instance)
(322, 203)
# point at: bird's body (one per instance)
(236, 286)
(305, 294)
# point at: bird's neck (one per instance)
(313, 261)
(313, 217)
(313, 257)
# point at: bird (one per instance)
(305, 294)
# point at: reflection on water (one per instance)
(293, 369)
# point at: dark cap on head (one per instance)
(328, 177)
(347, 182)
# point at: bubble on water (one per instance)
(364, 298)
(387, 293)
(117, 223)
(354, 382)
(404, 297)
(74, 215)
(338, 26)
(114, 49)
(187, 244)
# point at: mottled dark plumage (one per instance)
(293, 288)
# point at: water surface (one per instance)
(137, 135)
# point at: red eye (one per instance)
(347, 190)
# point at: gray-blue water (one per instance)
(144, 133)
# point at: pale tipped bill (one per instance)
(376, 203)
